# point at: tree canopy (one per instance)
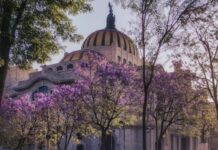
(31, 30)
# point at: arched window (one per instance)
(41, 89)
(130, 50)
(34, 95)
(110, 142)
(50, 69)
(69, 66)
(124, 61)
(59, 68)
(118, 58)
(84, 65)
(80, 147)
(130, 63)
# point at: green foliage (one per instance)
(200, 121)
(37, 27)
(198, 48)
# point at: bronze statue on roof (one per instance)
(110, 18)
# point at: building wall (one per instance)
(213, 140)
(128, 138)
(112, 53)
(14, 75)
(49, 76)
(131, 139)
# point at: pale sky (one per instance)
(90, 22)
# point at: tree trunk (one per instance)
(5, 45)
(68, 138)
(59, 145)
(20, 144)
(103, 140)
(145, 85)
(3, 74)
(144, 122)
(156, 134)
(47, 144)
(159, 144)
(216, 104)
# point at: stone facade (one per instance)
(213, 141)
(130, 138)
(14, 76)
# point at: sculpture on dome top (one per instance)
(110, 18)
(110, 7)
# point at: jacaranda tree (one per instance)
(106, 94)
(171, 98)
(50, 120)
(69, 114)
(154, 28)
(103, 97)
(19, 123)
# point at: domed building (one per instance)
(109, 42)
(115, 46)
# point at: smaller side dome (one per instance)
(80, 55)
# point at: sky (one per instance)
(89, 22)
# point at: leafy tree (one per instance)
(54, 118)
(47, 117)
(20, 124)
(200, 49)
(30, 30)
(106, 94)
(69, 114)
(201, 120)
(207, 121)
(154, 28)
(61, 115)
(170, 99)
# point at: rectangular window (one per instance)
(185, 143)
(119, 58)
(177, 142)
(172, 141)
(124, 61)
(194, 143)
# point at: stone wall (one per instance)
(15, 75)
(204, 147)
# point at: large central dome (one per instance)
(114, 45)
(110, 37)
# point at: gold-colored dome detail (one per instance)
(79, 55)
(110, 37)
